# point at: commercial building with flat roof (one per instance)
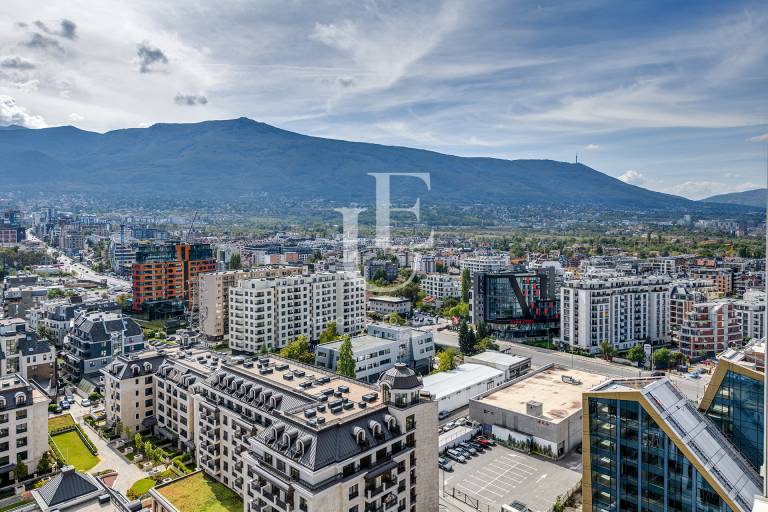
(513, 366)
(454, 388)
(386, 305)
(540, 411)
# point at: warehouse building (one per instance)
(454, 388)
(540, 411)
(513, 366)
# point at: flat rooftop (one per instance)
(304, 381)
(464, 376)
(387, 298)
(500, 358)
(559, 399)
(199, 493)
(362, 343)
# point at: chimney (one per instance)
(534, 408)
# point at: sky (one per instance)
(671, 96)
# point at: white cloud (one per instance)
(75, 117)
(633, 178)
(13, 113)
(702, 189)
(592, 146)
(759, 138)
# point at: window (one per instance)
(410, 423)
(353, 492)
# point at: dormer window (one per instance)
(21, 399)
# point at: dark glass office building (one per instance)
(515, 304)
(734, 404)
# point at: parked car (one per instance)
(64, 404)
(464, 452)
(445, 466)
(515, 506)
(657, 374)
(59, 410)
(485, 441)
(477, 446)
(468, 448)
(443, 414)
(85, 402)
(454, 455)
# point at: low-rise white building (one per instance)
(454, 388)
(387, 305)
(512, 366)
(441, 286)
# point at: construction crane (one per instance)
(191, 226)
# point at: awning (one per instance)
(7, 468)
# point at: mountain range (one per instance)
(754, 198)
(240, 159)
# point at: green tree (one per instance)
(662, 357)
(298, 350)
(481, 330)
(459, 311)
(466, 344)
(21, 471)
(486, 343)
(636, 354)
(55, 293)
(607, 349)
(396, 319)
(235, 262)
(263, 350)
(446, 359)
(346, 364)
(466, 284)
(329, 334)
(148, 449)
(44, 465)
(122, 300)
(44, 332)
(137, 441)
(119, 428)
(677, 357)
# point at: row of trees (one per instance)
(662, 357)
(298, 350)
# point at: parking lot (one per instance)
(501, 475)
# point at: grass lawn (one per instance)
(140, 487)
(16, 505)
(197, 493)
(56, 422)
(74, 451)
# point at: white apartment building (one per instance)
(621, 310)
(487, 264)
(425, 263)
(441, 286)
(270, 312)
(212, 297)
(683, 295)
(750, 311)
(23, 425)
(287, 436)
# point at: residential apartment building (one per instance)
(710, 328)
(213, 296)
(425, 263)
(379, 350)
(270, 312)
(95, 338)
(165, 274)
(487, 264)
(623, 311)
(57, 315)
(380, 269)
(22, 352)
(721, 277)
(286, 436)
(441, 286)
(750, 310)
(23, 425)
(683, 294)
(647, 448)
(386, 305)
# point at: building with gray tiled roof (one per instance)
(69, 489)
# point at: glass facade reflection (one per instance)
(737, 411)
(636, 466)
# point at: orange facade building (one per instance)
(167, 272)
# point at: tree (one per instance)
(263, 350)
(486, 343)
(466, 343)
(396, 319)
(44, 465)
(446, 359)
(298, 350)
(482, 332)
(607, 349)
(235, 262)
(148, 449)
(122, 300)
(55, 293)
(329, 334)
(662, 357)
(636, 354)
(677, 357)
(466, 284)
(21, 471)
(119, 428)
(157, 455)
(459, 310)
(44, 332)
(346, 364)
(137, 441)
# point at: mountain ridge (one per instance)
(754, 197)
(236, 158)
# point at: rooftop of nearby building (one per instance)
(557, 389)
(463, 376)
(311, 384)
(363, 342)
(387, 298)
(198, 493)
(491, 356)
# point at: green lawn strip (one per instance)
(57, 422)
(74, 450)
(140, 487)
(14, 506)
